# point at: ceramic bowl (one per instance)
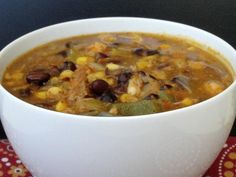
(179, 143)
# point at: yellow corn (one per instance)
(113, 111)
(146, 62)
(125, 98)
(112, 66)
(187, 101)
(196, 65)
(82, 60)
(107, 38)
(142, 64)
(164, 46)
(60, 106)
(110, 81)
(54, 91)
(41, 95)
(213, 87)
(159, 74)
(191, 48)
(180, 62)
(54, 80)
(17, 76)
(97, 75)
(66, 74)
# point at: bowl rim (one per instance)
(159, 115)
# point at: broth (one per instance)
(117, 74)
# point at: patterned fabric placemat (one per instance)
(224, 165)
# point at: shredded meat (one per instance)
(79, 84)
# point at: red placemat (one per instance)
(224, 165)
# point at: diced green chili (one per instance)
(164, 96)
(138, 108)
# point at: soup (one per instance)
(117, 74)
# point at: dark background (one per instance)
(18, 17)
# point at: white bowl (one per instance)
(179, 143)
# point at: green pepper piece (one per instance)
(138, 108)
(164, 96)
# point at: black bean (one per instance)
(25, 92)
(101, 55)
(99, 86)
(166, 87)
(139, 51)
(120, 89)
(88, 96)
(152, 52)
(151, 96)
(38, 77)
(123, 78)
(63, 53)
(45, 105)
(145, 52)
(108, 96)
(116, 43)
(142, 73)
(68, 65)
(68, 45)
(54, 71)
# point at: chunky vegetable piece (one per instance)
(113, 74)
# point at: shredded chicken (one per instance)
(78, 82)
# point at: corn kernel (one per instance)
(107, 38)
(164, 46)
(41, 95)
(17, 76)
(60, 106)
(196, 65)
(54, 80)
(187, 101)
(54, 91)
(191, 48)
(125, 98)
(97, 75)
(142, 64)
(180, 62)
(113, 111)
(110, 81)
(159, 74)
(112, 66)
(82, 60)
(66, 74)
(213, 87)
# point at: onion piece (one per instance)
(182, 81)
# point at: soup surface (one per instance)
(112, 74)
